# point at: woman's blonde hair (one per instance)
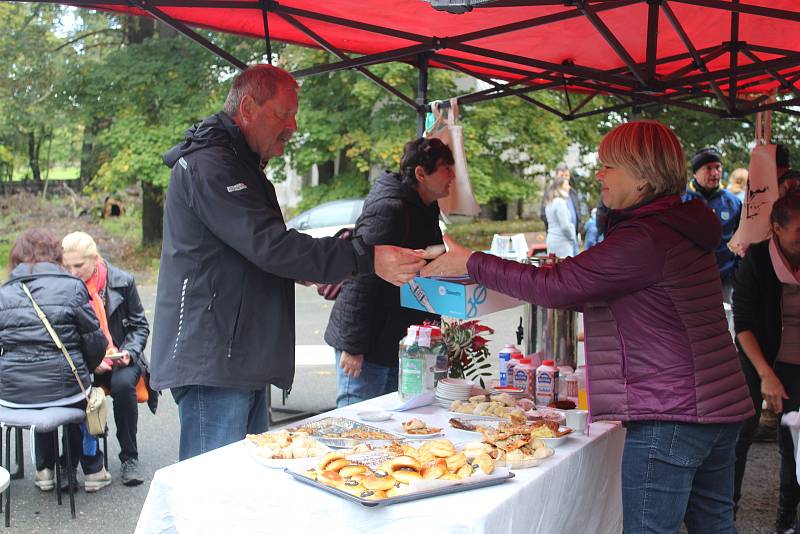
(82, 243)
(737, 181)
(555, 189)
(650, 151)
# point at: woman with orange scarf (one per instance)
(116, 302)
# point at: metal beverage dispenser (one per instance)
(551, 333)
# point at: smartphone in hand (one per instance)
(115, 356)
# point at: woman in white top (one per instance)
(561, 236)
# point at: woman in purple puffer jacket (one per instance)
(659, 354)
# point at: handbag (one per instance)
(762, 191)
(96, 412)
(460, 200)
(331, 291)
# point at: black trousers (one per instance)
(789, 496)
(122, 383)
(46, 451)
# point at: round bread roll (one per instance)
(537, 443)
(442, 449)
(350, 470)
(425, 457)
(373, 495)
(311, 473)
(353, 487)
(331, 478)
(455, 462)
(406, 476)
(328, 458)
(449, 476)
(434, 469)
(336, 465)
(361, 476)
(404, 462)
(408, 450)
(544, 452)
(375, 483)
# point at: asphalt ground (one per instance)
(115, 509)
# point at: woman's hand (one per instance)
(452, 263)
(125, 361)
(104, 367)
(351, 363)
(773, 392)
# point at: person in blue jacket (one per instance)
(705, 185)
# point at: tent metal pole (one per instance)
(186, 31)
(734, 57)
(264, 11)
(341, 55)
(422, 92)
(775, 74)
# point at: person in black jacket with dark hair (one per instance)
(33, 371)
(766, 313)
(367, 322)
(118, 302)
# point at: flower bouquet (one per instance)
(466, 349)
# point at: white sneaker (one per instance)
(44, 479)
(97, 481)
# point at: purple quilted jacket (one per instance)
(657, 341)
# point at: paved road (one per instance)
(116, 508)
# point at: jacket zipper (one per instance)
(624, 359)
(235, 328)
(211, 302)
(180, 317)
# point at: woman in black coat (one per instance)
(33, 371)
(367, 322)
(118, 306)
(766, 314)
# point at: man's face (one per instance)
(269, 126)
(709, 175)
(563, 173)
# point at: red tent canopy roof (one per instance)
(678, 51)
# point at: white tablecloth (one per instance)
(225, 491)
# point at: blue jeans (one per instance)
(374, 381)
(213, 417)
(675, 473)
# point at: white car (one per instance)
(328, 218)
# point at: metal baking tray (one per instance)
(324, 429)
(445, 490)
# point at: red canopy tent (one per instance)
(725, 57)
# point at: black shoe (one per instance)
(765, 434)
(131, 474)
(72, 477)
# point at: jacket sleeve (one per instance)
(746, 294)
(93, 341)
(382, 223)
(243, 220)
(628, 260)
(137, 329)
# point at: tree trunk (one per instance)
(325, 172)
(33, 155)
(91, 158)
(152, 213)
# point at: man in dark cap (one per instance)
(705, 186)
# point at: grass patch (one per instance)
(478, 235)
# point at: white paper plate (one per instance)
(555, 442)
(374, 415)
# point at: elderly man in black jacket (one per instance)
(224, 320)
(367, 322)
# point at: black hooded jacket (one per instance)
(224, 312)
(367, 318)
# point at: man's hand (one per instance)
(351, 363)
(397, 265)
(453, 263)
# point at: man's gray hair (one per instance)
(261, 82)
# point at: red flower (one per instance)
(464, 359)
(478, 342)
(482, 328)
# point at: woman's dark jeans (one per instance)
(789, 496)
